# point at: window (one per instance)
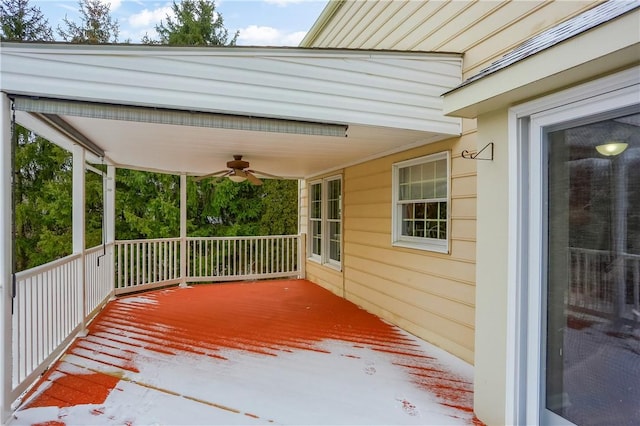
(315, 218)
(421, 203)
(325, 221)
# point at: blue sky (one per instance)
(260, 22)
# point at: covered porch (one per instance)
(293, 113)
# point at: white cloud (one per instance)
(149, 18)
(254, 35)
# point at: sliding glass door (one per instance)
(590, 289)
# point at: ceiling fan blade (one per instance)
(251, 178)
(220, 172)
(258, 172)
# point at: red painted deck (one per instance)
(280, 352)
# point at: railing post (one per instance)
(110, 223)
(302, 256)
(183, 230)
(6, 259)
(78, 222)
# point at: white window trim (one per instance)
(324, 258)
(427, 244)
(312, 255)
(325, 219)
(523, 398)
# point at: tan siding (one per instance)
(463, 229)
(374, 301)
(482, 30)
(430, 294)
(326, 277)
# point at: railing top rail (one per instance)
(28, 273)
(97, 248)
(147, 240)
(244, 237)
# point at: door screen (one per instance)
(592, 345)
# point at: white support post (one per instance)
(6, 259)
(110, 223)
(78, 221)
(302, 256)
(183, 230)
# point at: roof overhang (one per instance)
(604, 49)
(188, 110)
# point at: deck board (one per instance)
(267, 352)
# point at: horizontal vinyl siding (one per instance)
(483, 30)
(396, 90)
(431, 295)
(326, 277)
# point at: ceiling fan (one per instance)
(238, 171)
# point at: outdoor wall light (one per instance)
(611, 149)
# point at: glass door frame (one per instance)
(526, 298)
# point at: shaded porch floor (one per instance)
(267, 352)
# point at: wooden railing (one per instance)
(146, 264)
(52, 302)
(50, 307)
(241, 258)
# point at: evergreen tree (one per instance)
(147, 205)
(21, 22)
(196, 23)
(96, 24)
(280, 201)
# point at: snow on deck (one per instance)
(269, 352)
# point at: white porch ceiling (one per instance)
(389, 101)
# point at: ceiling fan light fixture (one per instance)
(237, 177)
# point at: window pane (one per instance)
(432, 229)
(416, 173)
(418, 228)
(334, 199)
(404, 175)
(432, 210)
(442, 210)
(408, 211)
(334, 241)
(441, 169)
(416, 191)
(441, 189)
(405, 192)
(428, 171)
(442, 235)
(428, 190)
(316, 201)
